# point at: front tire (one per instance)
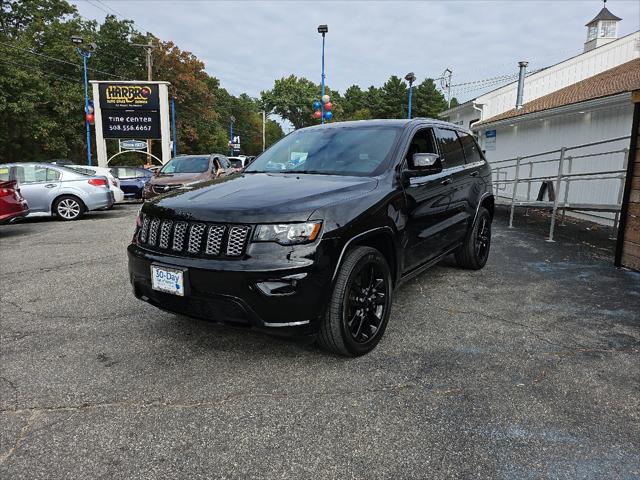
(474, 252)
(68, 208)
(360, 305)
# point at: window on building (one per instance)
(592, 33)
(608, 28)
(450, 147)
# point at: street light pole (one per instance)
(264, 124)
(85, 54)
(410, 77)
(85, 57)
(323, 29)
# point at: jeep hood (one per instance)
(260, 197)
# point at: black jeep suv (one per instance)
(313, 237)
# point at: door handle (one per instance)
(446, 181)
(50, 185)
(474, 174)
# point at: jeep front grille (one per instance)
(194, 238)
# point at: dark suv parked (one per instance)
(315, 235)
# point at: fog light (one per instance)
(283, 286)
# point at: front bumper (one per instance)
(270, 296)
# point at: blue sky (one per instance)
(248, 44)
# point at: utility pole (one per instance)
(445, 83)
(149, 46)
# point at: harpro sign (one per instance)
(132, 112)
(129, 96)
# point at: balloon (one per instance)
(317, 105)
(317, 114)
(328, 105)
(328, 115)
(325, 98)
(90, 118)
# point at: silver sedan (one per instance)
(59, 191)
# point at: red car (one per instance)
(12, 205)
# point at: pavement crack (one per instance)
(24, 432)
(396, 388)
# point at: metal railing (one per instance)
(557, 180)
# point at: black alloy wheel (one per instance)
(474, 252)
(366, 302)
(483, 239)
(360, 304)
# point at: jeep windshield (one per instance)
(359, 151)
(186, 165)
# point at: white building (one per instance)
(584, 99)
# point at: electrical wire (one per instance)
(47, 74)
(33, 52)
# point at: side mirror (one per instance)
(426, 163)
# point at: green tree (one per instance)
(292, 98)
(42, 94)
(428, 101)
(394, 99)
(354, 100)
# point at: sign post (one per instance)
(137, 110)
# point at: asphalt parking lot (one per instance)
(527, 369)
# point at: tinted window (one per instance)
(85, 171)
(4, 173)
(186, 165)
(52, 175)
(450, 147)
(333, 151)
(422, 142)
(470, 147)
(224, 162)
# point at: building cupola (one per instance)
(602, 29)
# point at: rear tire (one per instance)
(360, 304)
(474, 252)
(68, 208)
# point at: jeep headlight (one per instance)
(287, 233)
